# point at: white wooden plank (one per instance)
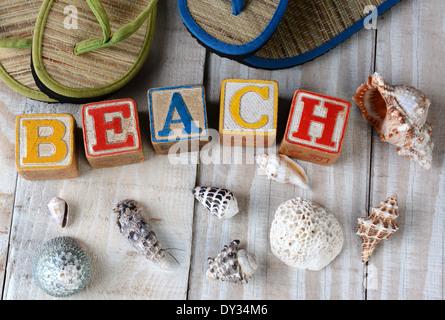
(342, 188)
(118, 272)
(11, 104)
(410, 264)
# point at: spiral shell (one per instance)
(220, 202)
(60, 268)
(138, 232)
(280, 168)
(59, 209)
(380, 225)
(399, 114)
(232, 264)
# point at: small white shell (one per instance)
(220, 202)
(59, 209)
(280, 168)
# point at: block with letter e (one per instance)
(111, 133)
(45, 147)
(248, 113)
(178, 116)
(316, 128)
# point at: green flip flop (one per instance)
(17, 20)
(84, 51)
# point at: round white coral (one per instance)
(304, 235)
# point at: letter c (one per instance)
(235, 104)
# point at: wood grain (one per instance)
(164, 189)
(407, 48)
(410, 265)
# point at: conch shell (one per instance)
(280, 168)
(232, 264)
(220, 202)
(58, 209)
(380, 225)
(399, 114)
(138, 232)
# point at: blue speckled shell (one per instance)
(60, 268)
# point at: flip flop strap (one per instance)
(15, 42)
(108, 38)
(237, 6)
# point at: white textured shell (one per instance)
(399, 114)
(220, 202)
(59, 209)
(304, 235)
(380, 225)
(280, 168)
(232, 264)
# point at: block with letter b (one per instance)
(45, 147)
(178, 115)
(248, 113)
(111, 133)
(316, 128)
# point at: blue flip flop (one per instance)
(236, 28)
(311, 28)
(298, 30)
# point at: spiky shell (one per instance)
(220, 202)
(232, 264)
(60, 267)
(138, 232)
(280, 168)
(380, 225)
(59, 209)
(399, 114)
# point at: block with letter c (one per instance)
(248, 113)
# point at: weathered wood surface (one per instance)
(407, 48)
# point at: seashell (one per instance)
(380, 225)
(280, 168)
(305, 235)
(399, 114)
(220, 202)
(232, 264)
(138, 232)
(59, 209)
(60, 267)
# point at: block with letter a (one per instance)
(316, 128)
(178, 116)
(111, 133)
(248, 113)
(45, 147)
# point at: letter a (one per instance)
(178, 104)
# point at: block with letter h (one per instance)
(111, 133)
(178, 116)
(248, 113)
(45, 147)
(316, 128)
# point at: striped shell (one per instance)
(220, 202)
(280, 168)
(60, 267)
(138, 232)
(232, 264)
(380, 225)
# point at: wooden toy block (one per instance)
(178, 114)
(45, 147)
(248, 113)
(315, 128)
(111, 133)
